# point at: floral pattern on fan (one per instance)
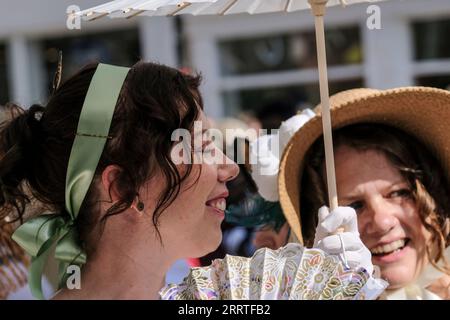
(289, 273)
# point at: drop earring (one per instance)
(139, 207)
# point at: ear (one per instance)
(109, 181)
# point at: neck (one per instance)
(123, 271)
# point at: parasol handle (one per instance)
(318, 9)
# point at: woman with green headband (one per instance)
(100, 159)
(111, 212)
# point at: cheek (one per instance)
(201, 177)
(363, 225)
(413, 225)
(196, 189)
(408, 219)
(208, 179)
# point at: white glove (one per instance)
(348, 244)
(267, 150)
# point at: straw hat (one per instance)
(419, 111)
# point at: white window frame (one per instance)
(387, 53)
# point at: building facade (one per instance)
(245, 60)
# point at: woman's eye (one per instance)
(206, 148)
(209, 148)
(403, 193)
(357, 205)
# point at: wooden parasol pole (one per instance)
(318, 9)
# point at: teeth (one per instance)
(220, 204)
(390, 247)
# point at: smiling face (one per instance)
(388, 218)
(191, 226)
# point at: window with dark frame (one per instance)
(431, 45)
(121, 47)
(287, 52)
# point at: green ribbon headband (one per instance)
(54, 232)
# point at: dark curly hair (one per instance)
(35, 145)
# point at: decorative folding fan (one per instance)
(290, 273)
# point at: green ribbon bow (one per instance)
(54, 232)
(37, 238)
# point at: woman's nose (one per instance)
(228, 170)
(383, 217)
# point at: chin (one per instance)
(397, 277)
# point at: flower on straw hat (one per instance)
(265, 168)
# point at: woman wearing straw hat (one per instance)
(100, 158)
(392, 155)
